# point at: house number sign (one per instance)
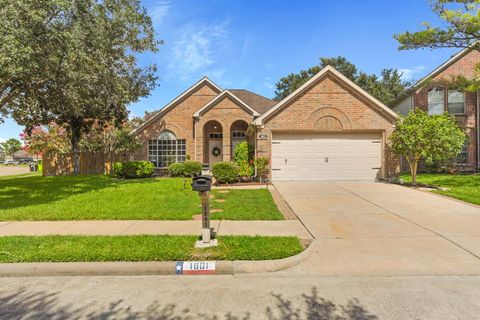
(195, 267)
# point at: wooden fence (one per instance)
(90, 163)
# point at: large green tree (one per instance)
(73, 62)
(11, 146)
(432, 138)
(386, 88)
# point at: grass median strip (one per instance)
(142, 248)
(462, 187)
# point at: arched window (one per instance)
(167, 135)
(166, 149)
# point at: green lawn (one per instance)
(142, 248)
(462, 187)
(102, 198)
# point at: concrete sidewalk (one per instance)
(136, 227)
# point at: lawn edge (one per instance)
(432, 192)
(46, 269)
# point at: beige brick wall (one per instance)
(330, 106)
(226, 111)
(179, 120)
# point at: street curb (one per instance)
(45, 269)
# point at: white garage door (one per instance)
(335, 156)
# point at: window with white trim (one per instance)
(436, 101)
(456, 102)
(166, 149)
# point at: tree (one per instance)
(461, 28)
(387, 88)
(50, 139)
(11, 146)
(75, 63)
(432, 138)
(109, 138)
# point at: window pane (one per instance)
(463, 155)
(456, 101)
(436, 101)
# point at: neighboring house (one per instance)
(432, 94)
(328, 129)
(22, 155)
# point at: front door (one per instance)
(215, 148)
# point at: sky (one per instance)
(251, 44)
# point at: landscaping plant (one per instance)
(243, 157)
(133, 169)
(185, 169)
(420, 136)
(261, 165)
(225, 172)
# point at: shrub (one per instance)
(261, 163)
(243, 152)
(225, 172)
(245, 170)
(175, 169)
(185, 169)
(192, 168)
(133, 169)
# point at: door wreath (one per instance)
(216, 151)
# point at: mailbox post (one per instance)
(203, 184)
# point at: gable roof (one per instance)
(332, 71)
(257, 102)
(443, 66)
(433, 73)
(223, 94)
(174, 102)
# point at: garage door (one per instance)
(336, 156)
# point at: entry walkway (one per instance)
(154, 227)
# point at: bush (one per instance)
(243, 152)
(133, 169)
(245, 170)
(175, 169)
(185, 169)
(261, 163)
(192, 168)
(225, 172)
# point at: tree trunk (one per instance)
(75, 132)
(413, 170)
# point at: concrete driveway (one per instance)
(11, 170)
(366, 228)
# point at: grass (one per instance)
(462, 187)
(102, 198)
(142, 248)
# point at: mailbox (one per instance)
(202, 183)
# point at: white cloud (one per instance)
(159, 12)
(197, 48)
(413, 73)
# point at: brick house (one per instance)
(432, 95)
(328, 129)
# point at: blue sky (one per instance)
(252, 44)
